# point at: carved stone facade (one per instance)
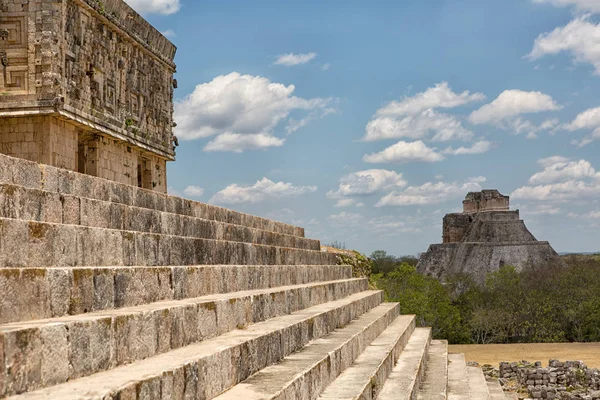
(88, 86)
(484, 237)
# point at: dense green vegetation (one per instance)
(551, 304)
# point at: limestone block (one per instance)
(54, 357)
(27, 174)
(25, 294)
(23, 360)
(135, 337)
(93, 347)
(50, 178)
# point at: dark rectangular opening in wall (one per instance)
(82, 152)
(139, 175)
(81, 157)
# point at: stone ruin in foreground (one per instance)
(111, 289)
(485, 236)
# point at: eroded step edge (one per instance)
(435, 381)
(495, 389)
(403, 381)
(17, 202)
(458, 384)
(304, 375)
(364, 379)
(32, 293)
(61, 346)
(30, 244)
(478, 388)
(206, 369)
(44, 177)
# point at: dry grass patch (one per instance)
(495, 353)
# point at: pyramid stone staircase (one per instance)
(113, 292)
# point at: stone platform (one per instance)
(115, 292)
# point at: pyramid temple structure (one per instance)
(111, 289)
(482, 238)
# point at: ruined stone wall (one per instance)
(455, 226)
(561, 380)
(480, 259)
(486, 200)
(491, 231)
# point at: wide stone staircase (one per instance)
(109, 291)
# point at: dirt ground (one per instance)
(495, 353)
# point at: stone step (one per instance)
(206, 369)
(305, 374)
(18, 202)
(29, 244)
(71, 347)
(366, 376)
(403, 381)
(495, 389)
(31, 293)
(32, 175)
(435, 381)
(458, 383)
(478, 388)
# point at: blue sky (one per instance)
(366, 122)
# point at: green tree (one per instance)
(424, 296)
(383, 262)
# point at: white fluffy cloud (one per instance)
(193, 191)
(586, 120)
(238, 143)
(482, 146)
(404, 152)
(593, 214)
(364, 183)
(518, 126)
(346, 219)
(562, 170)
(241, 110)
(165, 7)
(589, 119)
(582, 5)
(415, 117)
(292, 59)
(561, 180)
(540, 209)
(264, 189)
(580, 38)
(512, 103)
(418, 126)
(431, 193)
(558, 192)
(439, 96)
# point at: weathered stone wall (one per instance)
(76, 70)
(48, 139)
(57, 142)
(486, 200)
(502, 231)
(455, 226)
(561, 380)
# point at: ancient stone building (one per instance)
(112, 290)
(86, 85)
(486, 235)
